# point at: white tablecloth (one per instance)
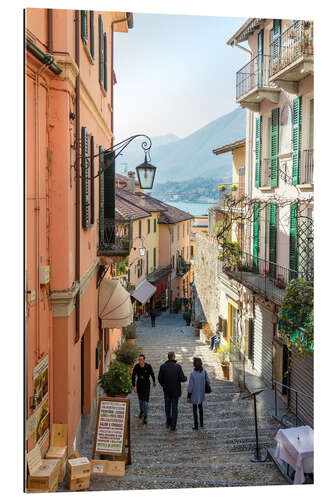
(295, 446)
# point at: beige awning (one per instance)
(144, 291)
(114, 304)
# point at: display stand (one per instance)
(258, 456)
(112, 435)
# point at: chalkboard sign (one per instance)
(112, 427)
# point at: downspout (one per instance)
(50, 30)
(37, 207)
(77, 183)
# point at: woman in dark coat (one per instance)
(143, 371)
(196, 390)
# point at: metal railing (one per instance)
(182, 266)
(260, 275)
(115, 238)
(293, 43)
(253, 75)
(298, 395)
(266, 172)
(306, 167)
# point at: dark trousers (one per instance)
(152, 321)
(143, 407)
(171, 411)
(195, 414)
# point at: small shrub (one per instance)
(126, 354)
(117, 380)
(223, 354)
(130, 331)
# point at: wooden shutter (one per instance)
(260, 56)
(272, 238)
(258, 150)
(147, 262)
(275, 147)
(250, 339)
(154, 259)
(84, 26)
(276, 37)
(154, 225)
(105, 64)
(100, 49)
(101, 193)
(293, 251)
(92, 180)
(139, 228)
(92, 34)
(297, 111)
(256, 229)
(84, 177)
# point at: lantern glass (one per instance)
(142, 251)
(146, 175)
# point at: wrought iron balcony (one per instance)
(259, 275)
(115, 238)
(182, 266)
(292, 48)
(306, 167)
(252, 82)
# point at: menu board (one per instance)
(111, 426)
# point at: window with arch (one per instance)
(286, 129)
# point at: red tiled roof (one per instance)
(142, 200)
(126, 211)
(123, 179)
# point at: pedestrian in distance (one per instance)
(152, 317)
(213, 337)
(142, 372)
(170, 377)
(196, 390)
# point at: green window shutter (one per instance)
(154, 258)
(260, 56)
(84, 26)
(154, 225)
(256, 229)
(105, 64)
(293, 246)
(258, 150)
(272, 238)
(92, 180)
(129, 275)
(276, 37)
(92, 34)
(148, 226)
(139, 228)
(84, 177)
(297, 114)
(147, 262)
(101, 192)
(100, 49)
(275, 147)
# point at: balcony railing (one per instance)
(306, 167)
(266, 172)
(260, 275)
(114, 238)
(182, 266)
(253, 75)
(293, 43)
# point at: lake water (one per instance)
(192, 208)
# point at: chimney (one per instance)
(131, 182)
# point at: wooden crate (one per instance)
(43, 473)
(58, 448)
(78, 473)
(108, 468)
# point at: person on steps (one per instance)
(196, 390)
(143, 371)
(153, 317)
(170, 377)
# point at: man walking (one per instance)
(143, 371)
(152, 317)
(170, 377)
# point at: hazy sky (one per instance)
(175, 73)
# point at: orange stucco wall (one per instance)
(51, 208)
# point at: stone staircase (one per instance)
(216, 455)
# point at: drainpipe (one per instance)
(77, 183)
(50, 30)
(37, 207)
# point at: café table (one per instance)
(295, 447)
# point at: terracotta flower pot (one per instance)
(225, 370)
(197, 332)
(131, 342)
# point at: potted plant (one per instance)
(177, 305)
(223, 356)
(197, 327)
(130, 334)
(126, 354)
(279, 281)
(187, 317)
(117, 381)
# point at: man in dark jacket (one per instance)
(143, 371)
(152, 317)
(170, 377)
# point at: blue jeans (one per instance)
(171, 411)
(143, 407)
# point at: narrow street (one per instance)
(218, 455)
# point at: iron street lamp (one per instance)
(146, 174)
